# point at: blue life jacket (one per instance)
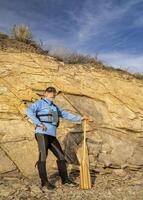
(53, 116)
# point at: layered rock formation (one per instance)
(112, 99)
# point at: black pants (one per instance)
(46, 142)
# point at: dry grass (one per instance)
(22, 41)
(3, 36)
(138, 75)
(22, 33)
(69, 57)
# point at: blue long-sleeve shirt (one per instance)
(43, 107)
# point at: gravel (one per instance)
(108, 185)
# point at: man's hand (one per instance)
(44, 128)
(85, 118)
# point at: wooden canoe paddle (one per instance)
(85, 179)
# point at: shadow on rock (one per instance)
(75, 174)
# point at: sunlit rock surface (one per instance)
(112, 99)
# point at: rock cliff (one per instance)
(111, 98)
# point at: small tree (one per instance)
(22, 33)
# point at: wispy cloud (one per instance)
(133, 63)
(105, 17)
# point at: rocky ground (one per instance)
(106, 185)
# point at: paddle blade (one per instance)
(85, 179)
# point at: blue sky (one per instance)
(112, 29)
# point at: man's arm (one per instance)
(31, 112)
(69, 116)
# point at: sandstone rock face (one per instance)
(113, 100)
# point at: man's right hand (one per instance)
(44, 128)
(84, 118)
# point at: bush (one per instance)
(73, 58)
(3, 36)
(138, 75)
(22, 33)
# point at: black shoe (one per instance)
(62, 168)
(48, 185)
(69, 182)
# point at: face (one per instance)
(50, 95)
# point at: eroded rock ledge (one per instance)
(112, 100)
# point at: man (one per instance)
(45, 115)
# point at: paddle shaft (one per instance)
(84, 139)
